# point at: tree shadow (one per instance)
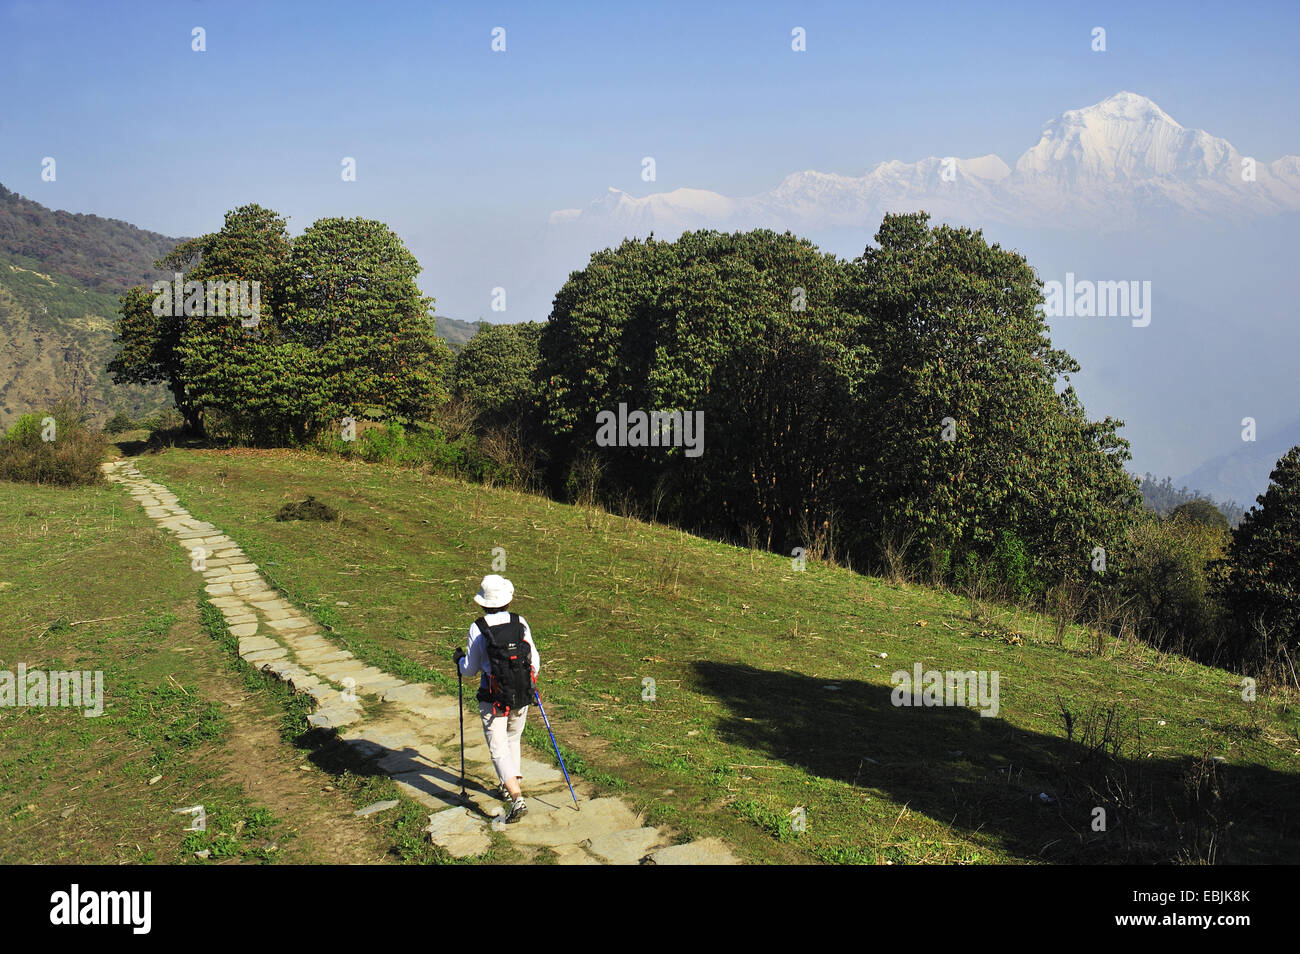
(1034, 793)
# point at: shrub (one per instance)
(1012, 569)
(1201, 511)
(119, 423)
(52, 448)
(427, 446)
(1168, 572)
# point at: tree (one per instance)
(743, 328)
(252, 246)
(1262, 589)
(1201, 512)
(496, 371)
(967, 433)
(341, 329)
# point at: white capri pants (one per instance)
(503, 734)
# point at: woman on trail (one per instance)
(501, 650)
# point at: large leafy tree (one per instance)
(342, 330)
(745, 328)
(351, 305)
(1263, 579)
(180, 349)
(496, 372)
(968, 435)
(834, 412)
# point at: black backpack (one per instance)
(510, 684)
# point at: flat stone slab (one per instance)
(331, 717)
(375, 808)
(316, 658)
(232, 577)
(252, 644)
(439, 710)
(571, 827)
(404, 761)
(291, 622)
(459, 832)
(626, 847)
(364, 748)
(344, 669)
(706, 851)
(243, 629)
(283, 669)
(379, 684)
(250, 591)
(307, 644)
(537, 773)
(406, 692)
(265, 655)
(573, 855)
(302, 681)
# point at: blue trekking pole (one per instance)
(576, 806)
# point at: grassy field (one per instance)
(771, 723)
(88, 583)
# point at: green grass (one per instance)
(741, 647)
(87, 582)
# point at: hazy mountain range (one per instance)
(1107, 167)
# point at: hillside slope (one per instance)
(727, 693)
(56, 339)
(106, 255)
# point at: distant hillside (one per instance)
(1162, 497)
(56, 339)
(101, 254)
(60, 278)
(1242, 472)
(454, 331)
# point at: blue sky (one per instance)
(464, 152)
(451, 136)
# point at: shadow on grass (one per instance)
(981, 774)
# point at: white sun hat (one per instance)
(494, 591)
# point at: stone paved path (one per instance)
(404, 729)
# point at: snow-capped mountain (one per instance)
(1120, 163)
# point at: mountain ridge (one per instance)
(1106, 166)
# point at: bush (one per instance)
(1012, 569)
(119, 423)
(1203, 512)
(52, 448)
(420, 445)
(1168, 573)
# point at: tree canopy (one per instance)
(909, 394)
(341, 329)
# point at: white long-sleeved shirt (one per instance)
(476, 658)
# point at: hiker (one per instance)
(496, 650)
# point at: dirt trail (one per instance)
(404, 729)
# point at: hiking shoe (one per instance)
(503, 793)
(517, 811)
